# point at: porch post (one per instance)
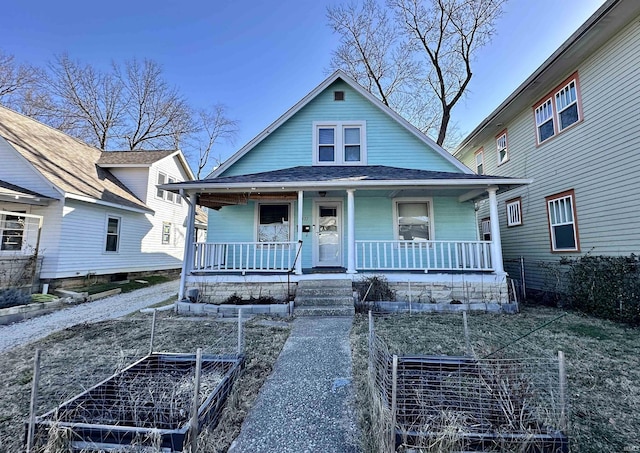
(300, 205)
(496, 243)
(351, 233)
(187, 260)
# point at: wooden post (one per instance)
(240, 346)
(195, 429)
(394, 401)
(562, 375)
(467, 342)
(34, 400)
(153, 331)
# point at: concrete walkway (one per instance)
(24, 332)
(306, 405)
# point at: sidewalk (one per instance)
(306, 405)
(24, 332)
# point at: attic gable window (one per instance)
(558, 110)
(339, 143)
(164, 194)
(338, 95)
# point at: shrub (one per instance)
(375, 288)
(606, 286)
(12, 297)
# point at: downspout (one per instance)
(187, 261)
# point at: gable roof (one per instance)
(338, 75)
(131, 159)
(66, 162)
(608, 20)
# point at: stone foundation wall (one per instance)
(465, 292)
(217, 293)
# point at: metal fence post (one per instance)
(153, 331)
(467, 342)
(394, 401)
(196, 403)
(523, 286)
(240, 346)
(34, 399)
(562, 376)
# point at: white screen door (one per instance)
(328, 232)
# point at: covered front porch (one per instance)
(314, 221)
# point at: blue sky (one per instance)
(261, 57)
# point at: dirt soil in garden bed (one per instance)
(79, 357)
(603, 364)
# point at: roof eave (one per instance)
(141, 209)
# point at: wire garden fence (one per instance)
(481, 397)
(154, 401)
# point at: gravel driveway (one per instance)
(108, 308)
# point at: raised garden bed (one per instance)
(479, 405)
(147, 403)
(231, 310)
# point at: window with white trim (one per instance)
(273, 222)
(413, 220)
(501, 147)
(166, 233)
(563, 224)
(339, 143)
(480, 161)
(112, 243)
(163, 178)
(558, 110)
(514, 212)
(12, 231)
(485, 227)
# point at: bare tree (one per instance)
(15, 80)
(87, 103)
(157, 114)
(422, 55)
(214, 126)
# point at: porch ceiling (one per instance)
(15, 194)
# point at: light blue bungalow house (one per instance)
(338, 187)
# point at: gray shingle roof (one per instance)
(65, 161)
(133, 157)
(344, 173)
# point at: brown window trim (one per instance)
(551, 95)
(506, 136)
(572, 194)
(506, 208)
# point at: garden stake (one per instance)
(196, 402)
(240, 331)
(466, 334)
(153, 330)
(563, 385)
(34, 397)
(394, 397)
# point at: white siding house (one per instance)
(101, 211)
(573, 128)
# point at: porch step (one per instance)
(327, 297)
(324, 311)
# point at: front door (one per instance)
(328, 233)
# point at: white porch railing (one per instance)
(424, 255)
(244, 256)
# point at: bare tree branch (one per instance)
(419, 60)
(15, 80)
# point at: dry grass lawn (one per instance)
(79, 357)
(603, 364)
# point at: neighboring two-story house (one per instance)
(341, 186)
(87, 212)
(573, 128)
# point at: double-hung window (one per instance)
(113, 234)
(339, 143)
(12, 230)
(501, 147)
(563, 224)
(558, 110)
(514, 212)
(480, 161)
(166, 233)
(485, 226)
(165, 194)
(273, 222)
(414, 220)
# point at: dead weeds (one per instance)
(79, 357)
(603, 365)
